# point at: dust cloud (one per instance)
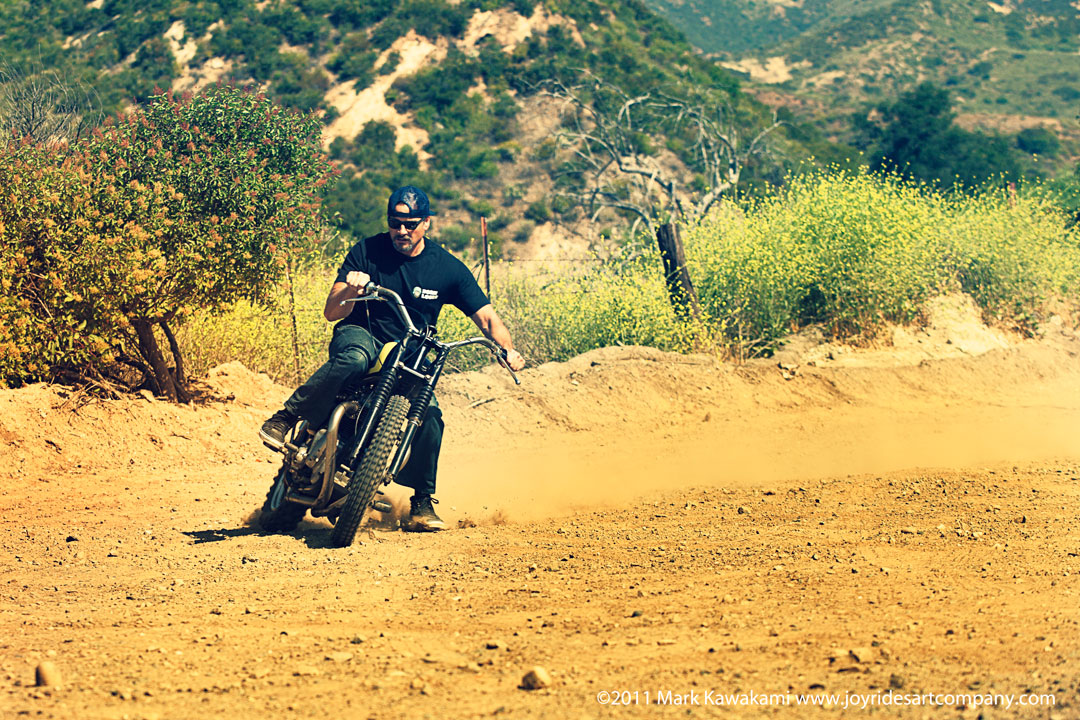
(876, 432)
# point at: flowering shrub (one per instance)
(190, 203)
(852, 250)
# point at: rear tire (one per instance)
(371, 471)
(279, 515)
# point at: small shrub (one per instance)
(539, 212)
(355, 59)
(390, 64)
(524, 232)
(455, 238)
(1038, 141)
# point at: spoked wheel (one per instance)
(371, 471)
(278, 514)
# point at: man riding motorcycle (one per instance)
(427, 277)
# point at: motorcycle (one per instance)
(338, 471)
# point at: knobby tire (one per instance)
(371, 470)
(284, 519)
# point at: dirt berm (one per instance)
(887, 532)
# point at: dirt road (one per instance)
(705, 539)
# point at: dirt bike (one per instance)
(338, 471)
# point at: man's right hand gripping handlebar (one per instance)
(359, 282)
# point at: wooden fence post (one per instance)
(487, 262)
(680, 289)
(292, 318)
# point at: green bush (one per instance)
(538, 211)
(355, 59)
(186, 204)
(524, 231)
(198, 16)
(1038, 141)
(1067, 93)
(359, 14)
(390, 64)
(299, 87)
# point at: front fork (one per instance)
(330, 464)
(379, 397)
(417, 413)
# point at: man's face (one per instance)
(407, 233)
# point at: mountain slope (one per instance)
(736, 28)
(1009, 65)
(426, 91)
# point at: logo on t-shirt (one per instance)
(423, 294)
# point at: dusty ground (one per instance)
(852, 522)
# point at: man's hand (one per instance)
(341, 291)
(489, 323)
(357, 280)
(514, 359)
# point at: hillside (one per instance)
(434, 92)
(1010, 65)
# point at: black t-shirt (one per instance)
(425, 283)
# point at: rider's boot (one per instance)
(274, 430)
(422, 517)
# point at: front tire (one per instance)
(371, 471)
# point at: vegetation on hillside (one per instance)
(108, 244)
(915, 137)
(1017, 60)
(848, 252)
(823, 32)
(467, 103)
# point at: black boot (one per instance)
(422, 517)
(274, 430)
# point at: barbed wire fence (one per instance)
(288, 338)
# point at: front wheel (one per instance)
(371, 470)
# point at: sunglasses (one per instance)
(409, 225)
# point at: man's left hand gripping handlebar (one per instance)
(514, 359)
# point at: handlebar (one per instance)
(497, 351)
(372, 291)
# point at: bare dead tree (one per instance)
(607, 134)
(607, 168)
(44, 107)
(716, 144)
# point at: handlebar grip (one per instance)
(502, 355)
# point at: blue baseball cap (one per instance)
(413, 198)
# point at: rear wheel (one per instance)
(278, 514)
(371, 470)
